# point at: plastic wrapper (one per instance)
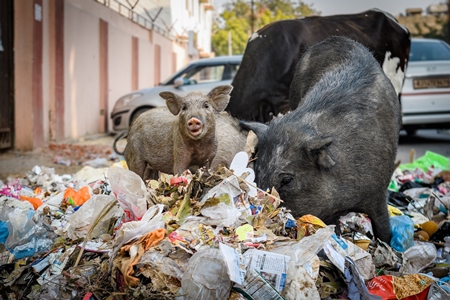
(130, 191)
(407, 287)
(85, 216)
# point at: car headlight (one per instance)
(126, 99)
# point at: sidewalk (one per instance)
(65, 157)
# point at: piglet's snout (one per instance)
(195, 126)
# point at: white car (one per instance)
(425, 95)
(201, 75)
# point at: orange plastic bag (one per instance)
(36, 202)
(77, 198)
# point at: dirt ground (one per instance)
(67, 157)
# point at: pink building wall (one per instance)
(73, 63)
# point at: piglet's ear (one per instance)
(220, 96)
(320, 151)
(173, 102)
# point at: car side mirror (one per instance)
(178, 82)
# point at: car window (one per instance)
(203, 74)
(234, 69)
(421, 51)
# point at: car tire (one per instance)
(138, 112)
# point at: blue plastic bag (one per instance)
(402, 229)
(3, 232)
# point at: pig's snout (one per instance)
(195, 126)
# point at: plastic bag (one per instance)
(306, 249)
(88, 174)
(220, 215)
(228, 186)
(303, 256)
(206, 276)
(25, 237)
(429, 159)
(162, 263)
(418, 257)
(239, 167)
(130, 191)
(77, 198)
(3, 232)
(402, 228)
(151, 220)
(98, 162)
(81, 220)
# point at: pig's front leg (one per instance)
(182, 161)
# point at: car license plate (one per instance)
(431, 83)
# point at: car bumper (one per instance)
(427, 109)
(120, 120)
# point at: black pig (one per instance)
(336, 152)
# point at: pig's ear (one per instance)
(319, 149)
(258, 128)
(172, 102)
(220, 96)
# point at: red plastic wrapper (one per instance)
(177, 181)
(408, 287)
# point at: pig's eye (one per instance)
(206, 105)
(286, 180)
(184, 107)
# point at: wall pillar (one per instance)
(104, 87)
(23, 74)
(56, 62)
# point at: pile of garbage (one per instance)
(103, 233)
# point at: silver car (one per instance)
(425, 95)
(201, 75)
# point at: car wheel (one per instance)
(138, 112)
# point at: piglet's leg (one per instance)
(182, 161)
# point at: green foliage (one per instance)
(237, 19)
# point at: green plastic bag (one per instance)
(428, 160)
